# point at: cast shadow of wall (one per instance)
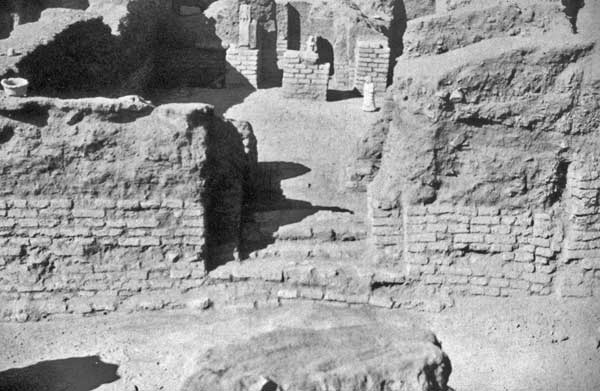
(395, 35)
(70, 374)
(269, 209)
(192, 67)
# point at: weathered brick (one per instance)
(440, 209)
(8, 223)
(61, 204)
(150, 204)
(39, 203)
(142, 223)
(498, 283)
(311, 293)
(539, 242)
(91, 213)
(104, 203)
(116, 223)
(22, 213)
(519, 284)
(479, 281)
(458, 228)
(456, 270)
(11, 251)
(422, 238)
(544, 252)
(537, 278)
(439, 246)
(455, 279)
(500, 229)
(149, 241)
(487, 211)
(128, 204)
(129, 242)
(475, 228)
(172, 203)
(469, 238)
(287, 293)
(18, 204)
(501, 239)
(485, 220)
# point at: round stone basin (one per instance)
(15, 86)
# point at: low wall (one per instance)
(105, 202)
(303, 79)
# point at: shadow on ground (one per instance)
(270, 209)
(337, 95)
(221, 98)
(70, 374)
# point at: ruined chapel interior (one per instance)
(264, 195)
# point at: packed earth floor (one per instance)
(494, 344)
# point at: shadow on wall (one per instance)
(395, 35)
(70, 374)
(325, 50)
(270, 202)
(294, 25)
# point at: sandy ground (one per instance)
(321, 136)
(533, 344)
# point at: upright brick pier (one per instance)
(372, 59)
(242, 67)
(303, 79)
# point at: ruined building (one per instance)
(481, 175)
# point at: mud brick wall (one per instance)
(243, 66)
(472, 250)
(372, 59)
(304, 80)
(144, 200)
(84, 255)
(579, 274)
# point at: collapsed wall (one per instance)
(488, 182)
(110, 204)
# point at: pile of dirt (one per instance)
(362, 357)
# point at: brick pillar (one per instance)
(579, 275)
(242, 67)
(372, 58)
(304, 79)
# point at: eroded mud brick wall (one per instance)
(372, 59)
(106, 202)
(303, 79)
(488, 183)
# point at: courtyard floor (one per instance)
(494, 344)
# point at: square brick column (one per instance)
(304, 79)
(372, 58)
